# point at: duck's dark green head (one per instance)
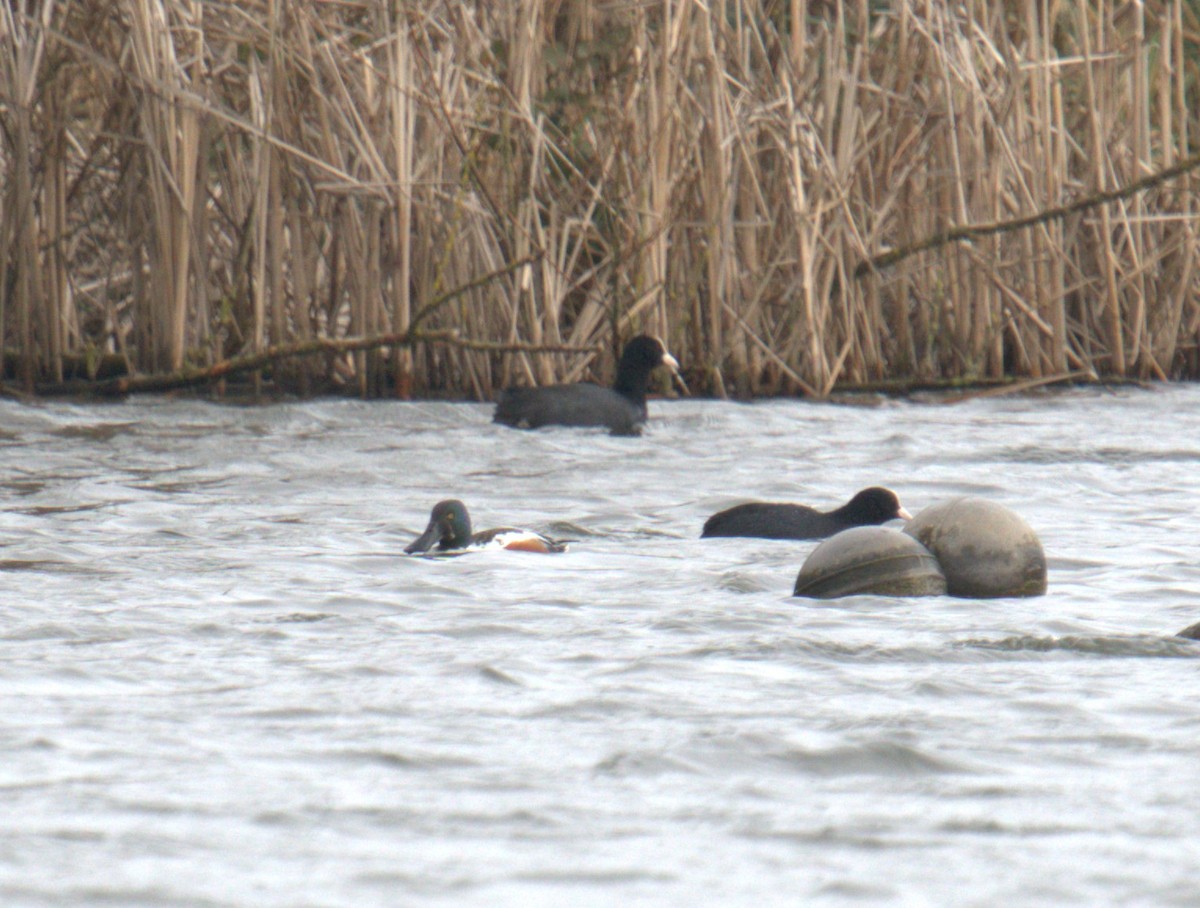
(449, 528)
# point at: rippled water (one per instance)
(221, 684)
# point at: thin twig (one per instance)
(189, 377)
(974, 231)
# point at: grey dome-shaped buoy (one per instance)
(878, 560)
(985, 549)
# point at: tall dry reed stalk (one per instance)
(184, 182)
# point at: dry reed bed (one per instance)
(184, 182)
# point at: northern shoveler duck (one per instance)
(449, 531)
(768, 520)
(621, 408)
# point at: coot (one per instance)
(768, 520)
(621, 408)
(449, 531)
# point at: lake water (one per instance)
(222, 684)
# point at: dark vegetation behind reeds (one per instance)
(187, 182)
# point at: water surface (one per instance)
(221, 684)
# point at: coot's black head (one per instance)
(641, 356)
(449, 528)
(873, 506)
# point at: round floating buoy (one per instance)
(985, 549)
(877, 560)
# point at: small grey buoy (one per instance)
(878, 560)
(985, 550)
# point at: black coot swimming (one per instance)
(768, 520)
(449, 530)
(621, 408)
